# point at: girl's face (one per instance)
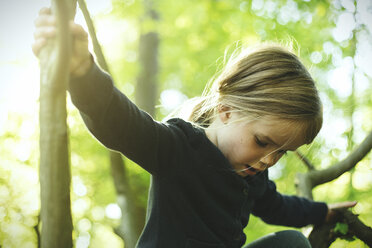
(253, 146)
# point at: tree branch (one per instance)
(357, 227)
(133, 217)
(55, 178)
(305, 182)
(323, 176)
(324, 235)
(305, 160)
(92, 33)
(36, 228)
(304, 186)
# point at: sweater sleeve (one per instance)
(275, 208)
(117, 122)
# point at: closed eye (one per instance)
(260, 142)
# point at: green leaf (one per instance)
(341, 228)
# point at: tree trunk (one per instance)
(133, 216)
(55, 176)
(146, 89)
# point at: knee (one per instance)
(296, 238)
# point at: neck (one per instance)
(211, 132)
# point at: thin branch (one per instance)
(323, 176)
(37, 231)
(305, 160)
(305, 182)
(54, 169)
(92, 33)
(324, 235)
(132, 220)
(358, 228)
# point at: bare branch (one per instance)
(358, 228)
(324, 235)
(305, 182)
(305, 160)
(323, 176)
(92, 33)
(133, 217)
(37, 231)
(55, 178)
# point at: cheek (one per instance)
(254, 152)
(247, 150)
(227, 145)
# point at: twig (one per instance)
(323, 176)
(305, 160)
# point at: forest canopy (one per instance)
(332, 38)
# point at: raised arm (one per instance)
(111, 117)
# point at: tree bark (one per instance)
(336, 170)
(133, 216)
(357, 227)
(323, 236)
(55, 175)
(146, 89)
(307, 181)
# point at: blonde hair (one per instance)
(269, 81)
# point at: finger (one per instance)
(349, 204)
(45, 32)
(78, 31)
(38, 45)
(45, 11)
(45, 20)
(342, 205)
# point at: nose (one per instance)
(270, 159)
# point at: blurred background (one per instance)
(333, 39)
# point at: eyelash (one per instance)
(263, 144)
(260, 143)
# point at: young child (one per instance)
(209, 173)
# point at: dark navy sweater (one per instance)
(196, 199)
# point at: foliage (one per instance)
(194, 36)
(341, 228)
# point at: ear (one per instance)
(224, 113)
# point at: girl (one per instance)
(209, 173)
